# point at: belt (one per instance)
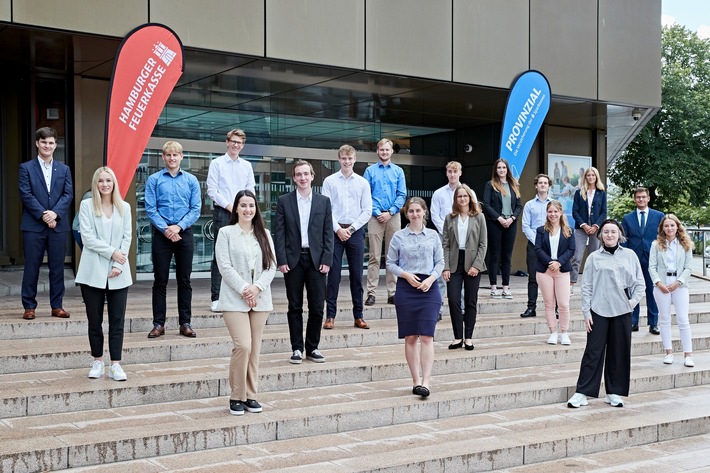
(672, 273)
(345, 225)
(305, 251)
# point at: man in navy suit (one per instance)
(303, 239)
(641, 228)
(46, 192)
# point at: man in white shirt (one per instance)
(534, 216)
(227, 175)
(352, 206)
(441, 205)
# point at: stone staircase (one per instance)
(499, 407)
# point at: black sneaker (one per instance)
(296, 358)
(252, 406)
(316, 356)
(236, 408)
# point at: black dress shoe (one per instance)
(654, 330)
(454, 346)
(390, 299)
(370, 300)
(468, 347)
(635, 328)
(529, 312)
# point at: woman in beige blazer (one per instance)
(245, 257)
(103, 274)
(465, 242)
(669, 267)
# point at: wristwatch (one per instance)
(351, 229)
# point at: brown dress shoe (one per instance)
(157, 331)
(360, 323)
(29, 314)
(61, 313)
(186, 331)
(329, 323)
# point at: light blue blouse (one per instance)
(418, 253)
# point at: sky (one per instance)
(693, 14)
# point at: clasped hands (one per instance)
(50, 218)
(250, 294)
(417, 283)
(669, 288)
(173, 233)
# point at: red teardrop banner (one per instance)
(148, 64)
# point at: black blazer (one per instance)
(580, 209)
(565, 251)
(287, 231)
(493, 203)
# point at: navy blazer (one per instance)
(36, 199)
(287, 231)
(493, 203)
(640, 242)
(580, 209)
(565, 251)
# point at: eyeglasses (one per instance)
(233, 142)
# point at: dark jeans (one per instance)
(531, 261)
(651, 307)
(463, 323)
(35, 244)
(162, 252)
(220, 218)
(500, 250)
(305, 274)
(610, 337)
(354, 250)
(116, 303)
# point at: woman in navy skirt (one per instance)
(416, 257)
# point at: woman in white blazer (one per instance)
(245, 257)
(669, 267)
(465, 241)
(104, 274)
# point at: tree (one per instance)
(671, 155)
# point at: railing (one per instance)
(701, 238)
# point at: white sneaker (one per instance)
(571, 290)
(117, 373)
(577, 400)
(689, 362)
(668, 359)
(614, 400)
(214, 307)
(97, 369)
(296, 358)
(496, 295)
(553, 339)
(564, 339)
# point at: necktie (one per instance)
(643, 221)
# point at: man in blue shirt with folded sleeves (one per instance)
(172, 202)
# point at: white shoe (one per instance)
(571, 290)
(564, 339)
(689, 362)
(553, 339)
(577, 400)
(117, 373)
(668, 359)
(496, 295)
(614, 400)
(97, 369)
(214, 307)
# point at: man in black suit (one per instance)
(46, 191)
(303, 240)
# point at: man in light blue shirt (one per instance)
(389, 191)
(172, 202)
(534, 216)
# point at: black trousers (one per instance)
(463, 323)
(611, 338)
(531, 261)
(116, 303)
(305, 274)
(500, 250)
(163, 251)
(220, 218)
(354, 249)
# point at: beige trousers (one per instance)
(376, 233)
(246, 329)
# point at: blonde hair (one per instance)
(512, 182)
(172, 146)
(681, 234)
(385, 141)
(237, 132)
(473, 206)
(564, 226)
(346, 150)
(116, 198)
(584, 188)
(455, 165)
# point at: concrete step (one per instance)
(406, 434)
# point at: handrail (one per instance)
(702, 235)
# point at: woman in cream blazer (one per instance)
(245, 257)
(669, 267)
(104, 273)
(465, 241)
